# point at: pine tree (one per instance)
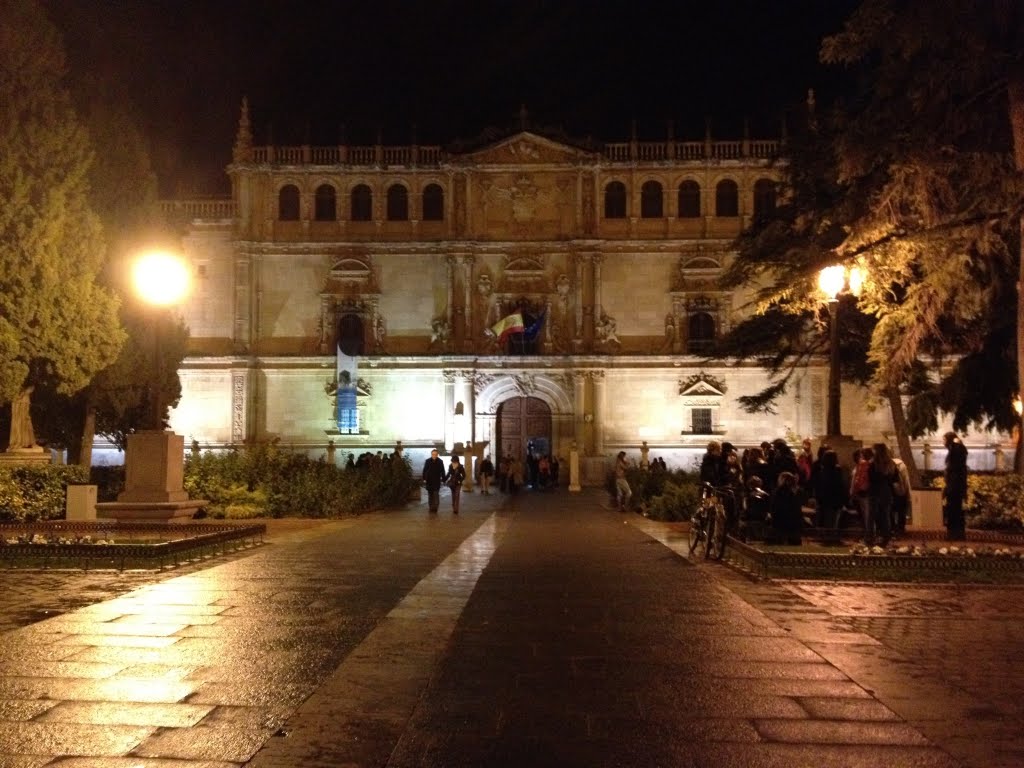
(58, 326)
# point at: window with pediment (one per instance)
(651, 201)
(325, 204)
(764, 199)
(397, 203)
(700, 337)
(615, 200)
(727, 198)
(361, 203)
(288, 203)
(689, 200)
(433, 203)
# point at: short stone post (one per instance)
(574, 469)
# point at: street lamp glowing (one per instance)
(160, 278)
(830, 281)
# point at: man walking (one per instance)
(433, 476)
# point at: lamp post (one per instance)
(154, 457)
(161, 279)
(832, 281)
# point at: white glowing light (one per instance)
(856, 280)
(161, 278)
(831, 280)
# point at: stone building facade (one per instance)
(401, 258)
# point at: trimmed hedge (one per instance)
(37, 491)
(660, 495)
(266, 481)
(995, 502)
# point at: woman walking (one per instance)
(454, 478)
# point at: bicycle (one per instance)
(709, 522)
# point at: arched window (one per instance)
(288, 203)
(362, 203)
(727, 198)
(651, 201)
(351, 337)
(326, 204)
(764, 199)
(397, 203)
(700, 335)
(433, 203)
(615, 200)
(689, 200)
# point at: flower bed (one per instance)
(60, 544)
(986, 556)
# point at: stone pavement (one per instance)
(541, 631)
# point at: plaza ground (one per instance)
(544, 630)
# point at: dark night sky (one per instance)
(451, 67)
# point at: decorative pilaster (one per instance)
(449, 408)
(243, 305)
(239, 410)
(467, 261)
(599, 411)
(579, 397)
(578, 337)
(450, 286)
(597, 258)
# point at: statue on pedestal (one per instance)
(644, 461)
(23, 436)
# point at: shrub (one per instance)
(677, 501)
(265, 480)
(36, 492)
(995, 501)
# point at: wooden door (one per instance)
(523, 422)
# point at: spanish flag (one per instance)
(508, 325)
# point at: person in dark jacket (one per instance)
(787, 519)
(829, 491)
(882, 474)
(955, 492)
(454, 479)
(433, 476)
(711, 464)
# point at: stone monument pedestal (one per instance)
(19, 457)
(154, 481)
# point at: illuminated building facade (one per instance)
(380, 270)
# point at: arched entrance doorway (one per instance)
(523, 423)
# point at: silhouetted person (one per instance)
(955, 492)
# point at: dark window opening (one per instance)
(727, 198)
(764, 199)
(689, 200)
(351, 337)
(397, 203)
(362, 203)
(288, 203)
(651, 201)
(700, 421)
(326, 204)
(701, 333)
(615, 200)
(433, 203)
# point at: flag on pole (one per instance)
(508, 325)
(533, 329)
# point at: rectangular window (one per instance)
(700, 421)
(348, 411)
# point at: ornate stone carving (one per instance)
(448, 376)
(440, 333)
(701, 384)
(525, 384)
(607, 333)
(483, 285)
(481, 381)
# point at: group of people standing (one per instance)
(771, 482)
(541, 471)
(435, 475)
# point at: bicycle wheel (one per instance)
(716, 537)
(698, 538)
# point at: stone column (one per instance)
(599, 411)
(598, 304)
(450, 287)
(467, 307)
(449, 408)
(579, 385)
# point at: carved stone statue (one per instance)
(440, 332)
(669, 344)
(23, 436)
(644, 460)
(607, 330)
(380, 333)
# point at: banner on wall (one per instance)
(347, 406)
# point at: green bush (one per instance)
(36, 492)
(995, 501)
(677, 501)
(109, 481)
(267, 481)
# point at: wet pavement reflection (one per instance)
(540, 631)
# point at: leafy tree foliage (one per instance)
(916, 180)
(58, 325)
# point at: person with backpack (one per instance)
(860, 483)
